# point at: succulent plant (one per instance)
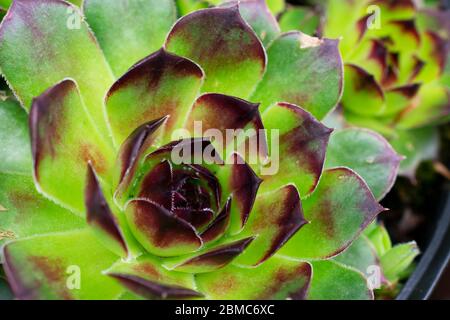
(394, 65)
(94, 204)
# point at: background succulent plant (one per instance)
(137, 224)
(395, 54)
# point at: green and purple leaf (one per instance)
(367, 153)
(210, 259)
(160, 85)
(302, 70)
(159, 231)
(339, 210)
(300, 150)
(275, 218)
(63, 141)
(35, 54)
(47, 267)
(228, 50)
(147, 278)
(277, 279)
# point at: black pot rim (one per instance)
(434, 260)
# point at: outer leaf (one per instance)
(26, 213)
(128, 31)
(361, 255)
(278, 278)
(398, 259)
(333, 281)
(416, 145)
(258, 16)
(63, 142)
(275, 218)
(224, 45)
(147, 278)
(340, 208)
(300, 18)
(300, 150)
(14, 138)
(161, 85)
(40, 267)
(304, 71)
(369, 154)
(36, 53)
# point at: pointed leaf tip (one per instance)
(99, 215)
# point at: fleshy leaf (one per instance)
(432, 108)
(159, 231)
(333, 281)
(217, 113)
(257, 14)
(63, 142)
(362, 94)
(300, 150)
(301, 18)
(160, 85)
(60, 266)
(100, 217)
(14, 138)
(128, 31)
(278, 279)
(361, 255)
(340, 208)
(132, 151)
(27, 213)
(224, 45)
(240, 181)
(146, 277)
(416, 146)
(219, 226)
(367, 153)
(302, 70)
(275, 218)
(210, 259)
(35, 53)
(398, 259)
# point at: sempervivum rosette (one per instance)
(395, 55)
(127, 194)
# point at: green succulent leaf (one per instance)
(379, 238)
(275, 218)
(297, 63)
(333, 281)
(278, 278)
(361, 255)
(142, 25)
(147, 278)
(301, 146)
(64, 140)
(398, 259)
(35, 54)
(210, 259)
(24, 212)
(259, 17)
(160, 85)
(363, 95)
(369, 154)
(224, 45)
(416, 146)
(300, 18)
(48, 267)
(339, 210)
(15, 150)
